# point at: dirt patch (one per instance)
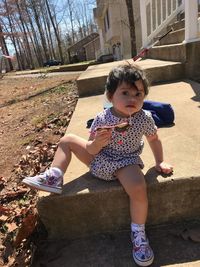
(34, 114)
(24, 108)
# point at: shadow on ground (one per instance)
(114, 250)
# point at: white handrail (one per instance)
(156, 15)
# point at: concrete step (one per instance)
(177, 25)
(174, 37)
(92, 81)
(115, 249)
(90, 206)
(172, 52)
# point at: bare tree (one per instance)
(37, 29)
(34, 39)
(23, 22)
(55, 31)
(4, 47)
(35, 8)
(70, 8)
(13, 32)
(129, 5)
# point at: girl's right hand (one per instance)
(102, 137)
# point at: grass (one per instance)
(49, 69)
(27, 140)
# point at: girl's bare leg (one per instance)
(71, 144)
(132, 179)
(133, 182)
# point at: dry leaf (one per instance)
(11, 227)
(14, 194)
(26, 229)
(4, 210)
(191, 234)
(3, 218)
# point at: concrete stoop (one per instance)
(90, 206)
(104, 207)
(171, 52)
(93, 80)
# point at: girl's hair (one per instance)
(125, 73)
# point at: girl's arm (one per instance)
(98, 140)
(156, 147)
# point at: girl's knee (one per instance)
(139, 188)
(67, 139)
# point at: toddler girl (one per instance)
(113, 151)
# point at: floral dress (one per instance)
(125, 147)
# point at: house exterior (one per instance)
(85, 49)
(92, 48)
(113, 27)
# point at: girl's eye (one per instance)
(125, 92)
(138, 94)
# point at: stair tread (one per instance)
(103, 69)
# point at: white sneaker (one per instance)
(142, 252)
(46, 181)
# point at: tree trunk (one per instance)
(4, 47)
(12, 35)
(41, 32)
(48, 32)
(131, 20)
(55, 31)
(36, 45)
(28, 50)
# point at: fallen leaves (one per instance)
(36, 160)
(18, 216)
(17, 225)
(13, 194)
(191, 234)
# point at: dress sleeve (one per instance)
(150, 127)
(97, 122)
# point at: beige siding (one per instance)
(116, 39)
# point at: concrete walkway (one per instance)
(115, 249)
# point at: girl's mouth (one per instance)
(130, 106)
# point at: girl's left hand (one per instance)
(164, 167)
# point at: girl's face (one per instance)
(128, 99)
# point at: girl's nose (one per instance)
(132, 98)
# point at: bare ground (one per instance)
(34, 114)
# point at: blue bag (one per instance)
(162, 113)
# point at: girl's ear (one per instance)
(108, 95)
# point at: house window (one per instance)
(106, 21)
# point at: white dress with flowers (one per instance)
(125, 147)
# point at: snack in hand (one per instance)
(120, 127)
